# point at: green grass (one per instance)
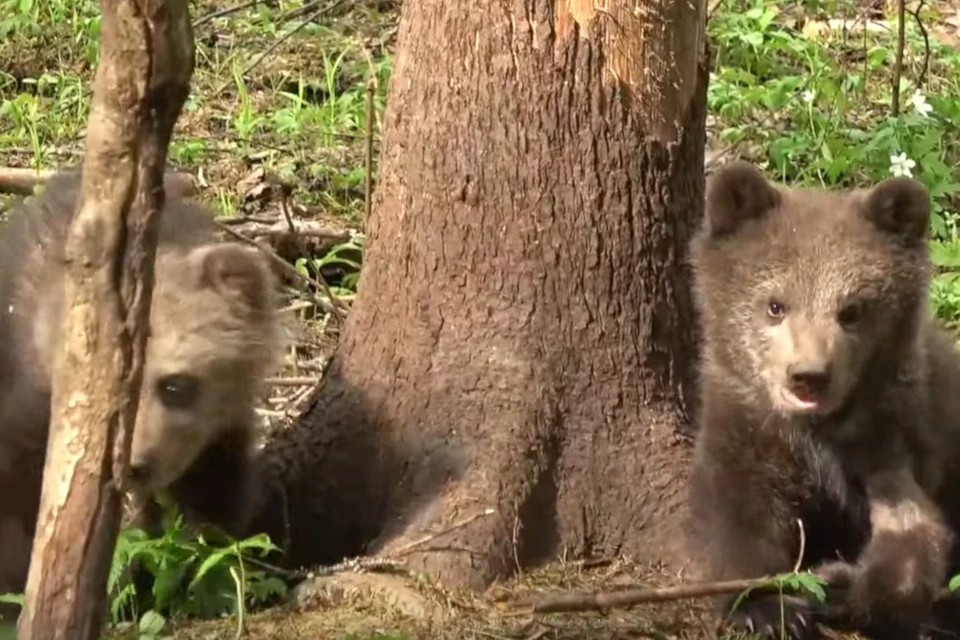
(298, 112)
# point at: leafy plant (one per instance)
(348, 269)
(191, 575)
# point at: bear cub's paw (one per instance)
(770, 617)
(890, 592)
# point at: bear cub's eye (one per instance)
(178, 391)
(776, 309)
(850, 314)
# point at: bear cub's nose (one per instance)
(809, 379)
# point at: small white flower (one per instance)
(901, 165)
(919, 102)
(808, 96)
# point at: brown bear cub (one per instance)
(214, 336)
(830, 400)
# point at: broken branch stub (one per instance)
(143, 78)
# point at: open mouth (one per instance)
(801, 400)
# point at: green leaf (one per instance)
(12, 598)
(260, 541)
(954, 583)
(211, 561)
(151, 623)
(945, 255)
(754, 38)
(166, 582)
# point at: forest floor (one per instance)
(275, 121)
(385, 606)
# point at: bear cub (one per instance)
(214, 337)
(830, 401)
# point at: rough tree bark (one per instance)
(142, 81)
(523, 338)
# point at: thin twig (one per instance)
(299, 11)
(285, 210)
(898, 61)
(276, 43)
(299, 229)
(292, 229)
(301, 246)
(330, 307)
(289, 574)
(570, 602)
(922, 78)
(296, 306)
(626, 598)
(292, 382)
(224, 12)
(413, 546)
(866, 58)
(372, 563)
(232, 220)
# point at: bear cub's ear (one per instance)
(899, 206)
(736, 193)
(237, 273)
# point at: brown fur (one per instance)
(214, 336)
(821, 298)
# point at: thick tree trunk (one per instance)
(523, 339)
(142, 81)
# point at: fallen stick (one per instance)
(626, 598)
(598, 601)
(22, 181)
(307, 229)
(417, 544)
(292, 382)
